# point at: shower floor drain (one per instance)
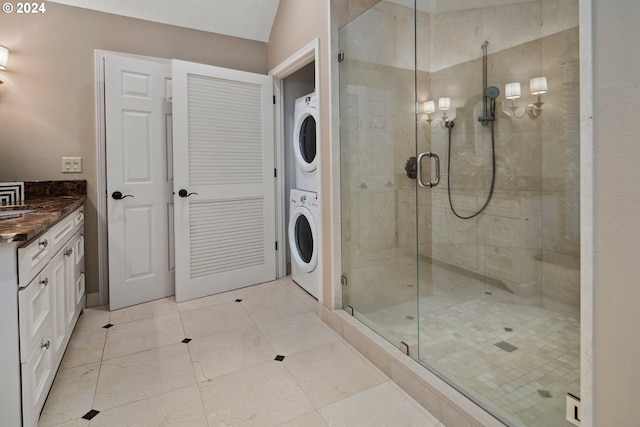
(544, 393)
(506, 346)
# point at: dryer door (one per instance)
(303, 239)
(305, 140)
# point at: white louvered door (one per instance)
(223, 179)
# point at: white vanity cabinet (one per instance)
(48, 295)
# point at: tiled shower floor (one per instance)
(144, 370)
(457, 336)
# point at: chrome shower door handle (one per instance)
(436, 180)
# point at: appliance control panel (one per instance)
(304, 198)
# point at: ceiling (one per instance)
(247, 19)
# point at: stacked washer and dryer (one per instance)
(304, 220)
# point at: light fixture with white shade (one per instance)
(444, 105)
(429, 107)
(537, 86)
(4, 58)
(512, 90)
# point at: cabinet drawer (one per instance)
(62, 231)
(33, 257)
(79, 268)
(34, 305)
(78, 216)
(79, 249)
(37, 376)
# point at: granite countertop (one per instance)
(45, 204)
(22, 227)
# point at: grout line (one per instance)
(195, 376)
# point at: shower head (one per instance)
(492, 92)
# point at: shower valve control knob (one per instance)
(411, 167)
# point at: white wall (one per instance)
(616, 231)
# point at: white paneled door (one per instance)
(139, 180)
(224, 179)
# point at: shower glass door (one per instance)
(378, 136)
(476, 277)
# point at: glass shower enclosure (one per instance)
(459, 170)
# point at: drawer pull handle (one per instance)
(45, 281)
(46, 345)
(44, 243)
(68, 252)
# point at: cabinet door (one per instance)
(67, 268)
(70, 284)
(57, 283)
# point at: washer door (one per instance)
(303, 239)
(304, 140)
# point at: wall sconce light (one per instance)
(4, 59)
(537, 86)
(444, 105)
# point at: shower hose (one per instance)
(449, 126)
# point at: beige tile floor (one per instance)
(139, 372)
(458, 337)
(454, 330)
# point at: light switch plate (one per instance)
(71, 164)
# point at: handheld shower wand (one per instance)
(489, 94)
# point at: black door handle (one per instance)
(185, 193)
(118, 195)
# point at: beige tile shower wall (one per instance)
(528, 238)
(505, 26)
(375, 132)
(384, 35)
(378, 130)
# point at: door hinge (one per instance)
(274, 100)
(573, 409)
(404, 347)
(340, 56)
(276, 245)
(344, 281)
